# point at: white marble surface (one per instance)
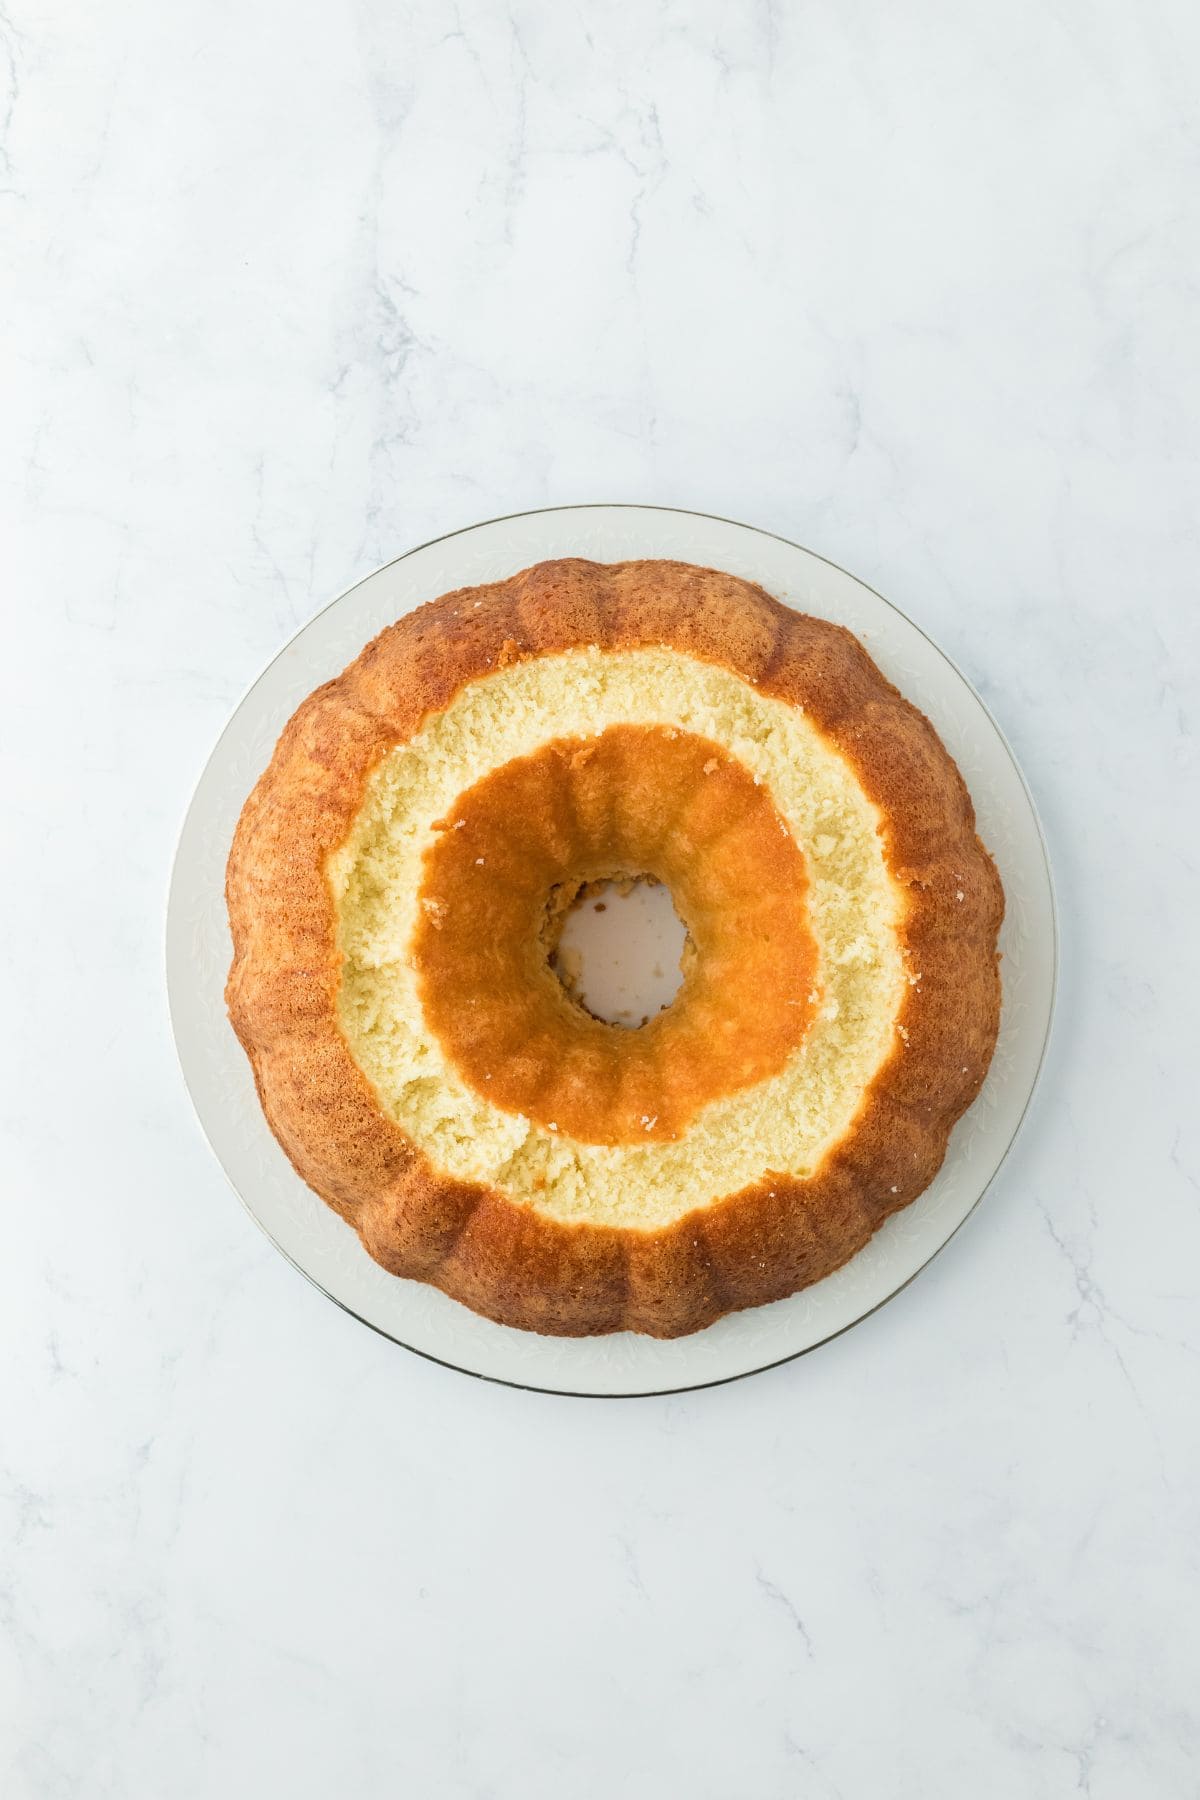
(287, 289)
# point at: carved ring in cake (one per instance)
(396, 882)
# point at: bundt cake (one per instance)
(399, 875)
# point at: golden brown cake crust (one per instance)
(737, 877)
(509, 1261)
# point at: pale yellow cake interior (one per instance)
(785, 1124)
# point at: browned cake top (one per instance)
(635, 800)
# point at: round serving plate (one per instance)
(316, 1241)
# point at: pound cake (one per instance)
(401, 871)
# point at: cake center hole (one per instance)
(620, 950)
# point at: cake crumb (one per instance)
(479, 862)
(710, 765)
(436, 912)
(569, 964)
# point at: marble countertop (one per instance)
(288, 289)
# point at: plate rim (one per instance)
(1051, 997)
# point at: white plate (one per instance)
(326, 1250)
